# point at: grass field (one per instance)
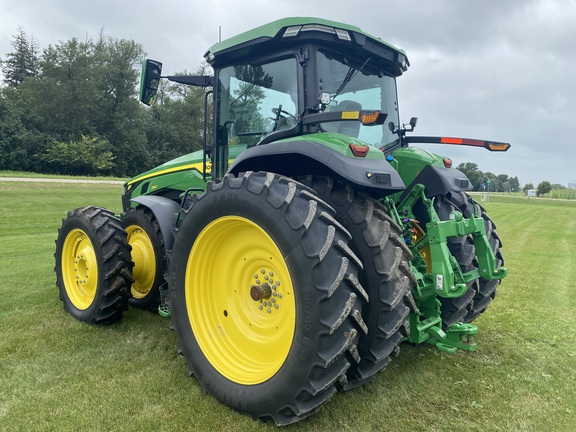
(57, 373)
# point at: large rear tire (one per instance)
(386, 275)
(93, 266)
(265, 297)
(148, 255)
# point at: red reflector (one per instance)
(359, 150)
(445, 140)
(447, 162)
(462, 141)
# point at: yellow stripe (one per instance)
(198, 166)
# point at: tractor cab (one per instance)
(301, 76)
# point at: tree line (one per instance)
(73, 109)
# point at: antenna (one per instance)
(219, 33)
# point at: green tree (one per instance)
(83, 89)
(543, 188)
(176, 123)
(86, 156)
(527, 187)
(475, 176)
(22, 62)
(514, 184)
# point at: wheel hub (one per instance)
(265, 291)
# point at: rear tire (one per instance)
(148, 255)
(93, 266)
(244, 246)
(386, 275)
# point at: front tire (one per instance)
(93, 266)
(264, 296)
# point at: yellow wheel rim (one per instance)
(144, 259)
(79, 269)
(240, 300)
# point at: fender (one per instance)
(439, 181)
(165, 211)
(296, 158)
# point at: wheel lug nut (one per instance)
(276, 305)
(260, 307)
(268, 310)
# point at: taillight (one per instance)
(359, 150)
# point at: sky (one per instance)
(502, 70)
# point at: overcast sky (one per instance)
(491, 69)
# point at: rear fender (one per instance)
(298, 158)
(439, 181)
(165, 211)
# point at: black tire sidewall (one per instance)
(263, 397)
(70, 224)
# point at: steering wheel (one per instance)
(279, 113)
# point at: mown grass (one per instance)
(59, 374)
(23, 174)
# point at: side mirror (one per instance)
(413, 122)
(150, 80)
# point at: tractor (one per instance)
(306, 241)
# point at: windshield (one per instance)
(358, 86)
(256, 99)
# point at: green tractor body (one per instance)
(307, 239)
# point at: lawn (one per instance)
(57, 373)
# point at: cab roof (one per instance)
(285, 31)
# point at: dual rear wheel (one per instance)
(277, 300)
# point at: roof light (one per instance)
(343, 35)
(292, 31)
(318, 27)
(447, 162)
(359, 150)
